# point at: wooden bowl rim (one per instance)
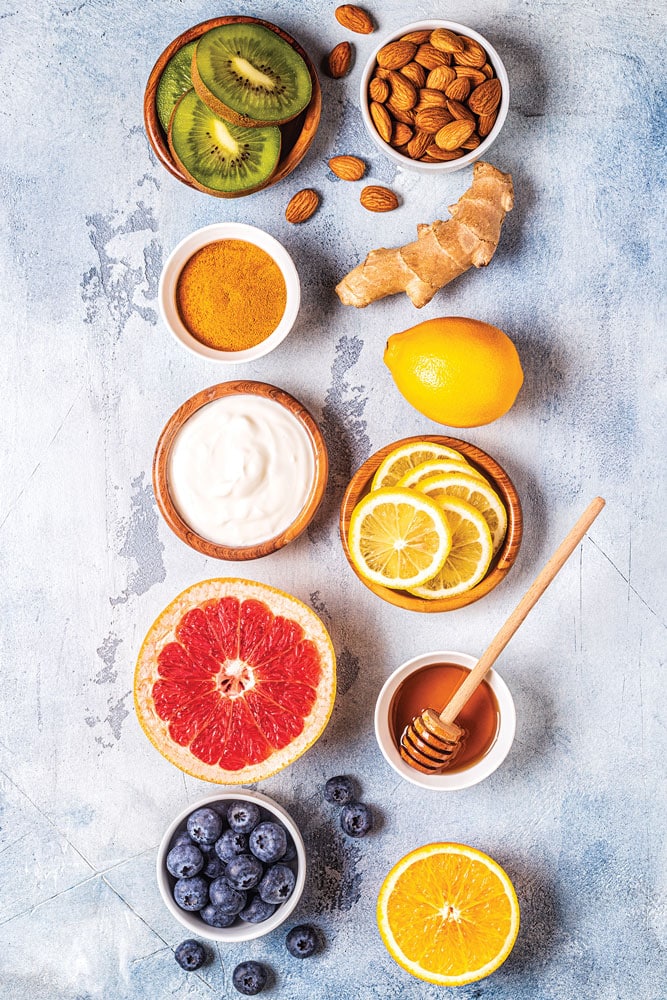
(161, 461)
(502, 562)
(158, 140)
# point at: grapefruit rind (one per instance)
(394, 949)
(162, 631)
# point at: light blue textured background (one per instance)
(89, 377)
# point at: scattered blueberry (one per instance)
(214, 867)
(230, 845)
(249, 978)
(356, 819)
(302, 941)
(204, 826)
(243, 816)
(185, 861)
(214, 916)
(277, 885)
(256, 911)
(244, 872)
(290, 853)
(339, 790)
(181, 839)
(268, 842)
(190, 955)
(191, 893)
(226, 897)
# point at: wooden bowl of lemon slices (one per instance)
(431, 523)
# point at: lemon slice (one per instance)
(435, 467)
(402, 459)
(469, 556)
(479, 494)
(398, 538)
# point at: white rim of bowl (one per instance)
(474, 154)
(243, 931)
(184, 250)
(461, 779)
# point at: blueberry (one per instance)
(356, 819)
(204, 826)
(244, 872)
(213, 866)
(268, 842)
(230, 845)
(182, 839)
(190, 955)
(256, 911)
(226, 897)
(243, 816)
(339, 790)
(277, 885)
(290, 853)
(214, 916)
(249, 978)
(191, 893)
(302, 941)
(185, 861)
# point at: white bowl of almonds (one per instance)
(434, 96)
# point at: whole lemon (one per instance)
(456, 371)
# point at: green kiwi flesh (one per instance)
(175, 80)
(221, 158)
(249, 74)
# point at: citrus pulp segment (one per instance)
(479, 494)
(436, 466)
(469, 556)
(448, 914)
(234, 680)
(398, 538)
(406, 457)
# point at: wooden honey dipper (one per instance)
(430, 741)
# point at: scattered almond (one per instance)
(339, 60)
(440, 77)
(403, 92)
(458, 89)
(378, 90)
(378, 199)
(354, 19)
(452, 135)
(430, 57)
(381, 120)
(302, 206)
(402, 134)
(485, 99)
(348, 168)
(419, 144)
(395, 55)
(459, 110)
(446, 41)
(415, 73)
(418, 37)
(431, 120)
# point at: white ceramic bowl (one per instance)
(189, 246)
(241, 931)
(448, 166)
(458, 779)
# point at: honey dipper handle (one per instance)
(526, 604)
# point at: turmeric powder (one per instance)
(231, 295)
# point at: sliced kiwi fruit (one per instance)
(218, 157)
(249, 75)
(175, 80)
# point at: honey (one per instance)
(432, 686)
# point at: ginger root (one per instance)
(442, 251)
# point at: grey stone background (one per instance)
(90, 376)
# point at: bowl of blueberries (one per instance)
(232, 867)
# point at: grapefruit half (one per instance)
(234, 681)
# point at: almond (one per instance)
(339, 60)
(419, 144)
(473, 54)
(458, 89)
(348, 168)
(402, 134)
(395, 55)
(471, 143)
(406, 117)
(458, 110)
(302, 206)
(430, 57)
(378, 199)
(403, 92)
(415, 73)
(487, 70)
(443, 155)
(418, 37)
(354, 19)
(446, 41)
(452, 135)
(381, 120)
(485, 99)
(440, 77)
(470, 73)
(378, 90)
(485, 123)
(429, 98)
(431, 120)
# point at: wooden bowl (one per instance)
(297, 135)
(161, 466)
(503, 560)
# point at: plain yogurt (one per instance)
(241, 470)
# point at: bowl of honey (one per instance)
(429, 681)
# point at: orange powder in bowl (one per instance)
(231, 295)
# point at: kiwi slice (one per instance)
(175, 80)
(218, 157)
(250, 75)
